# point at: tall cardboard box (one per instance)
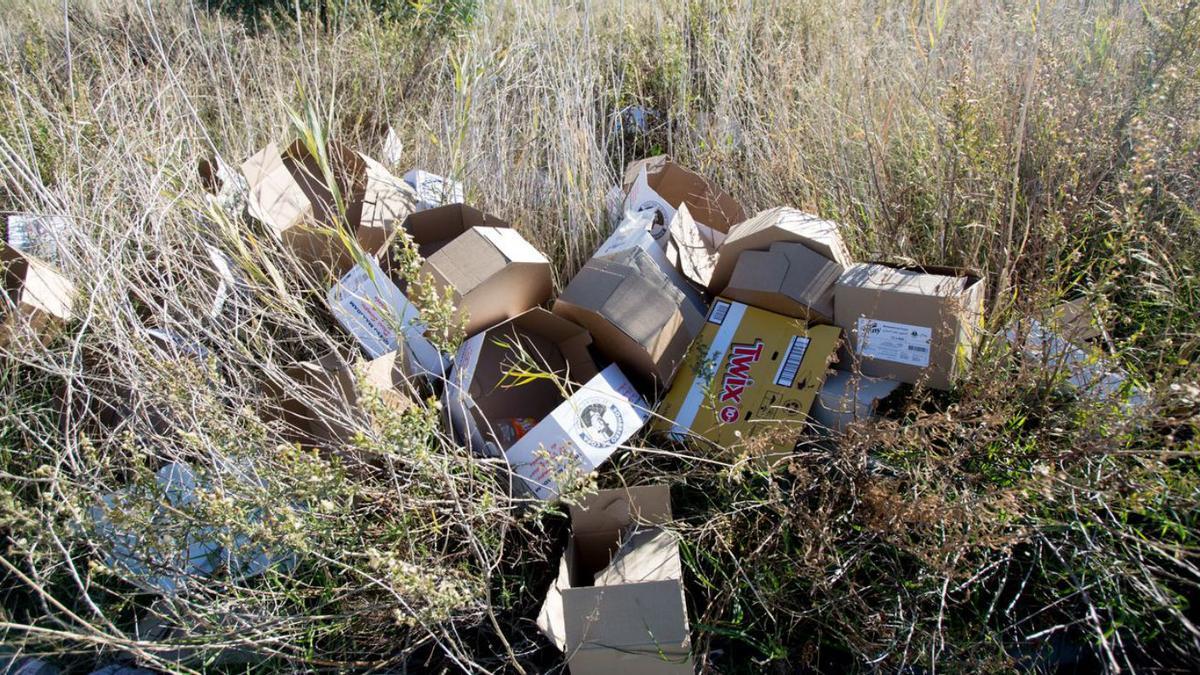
(789, 278)
(290, 194)
(618, 603)
(492, 274)
(910, 324)
(750, 373)
(489, 392)
(637, 317)
(780, 224)
(322, 402)
(378, 314)
(36, 296)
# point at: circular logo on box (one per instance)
(729, 414)
(600, 423)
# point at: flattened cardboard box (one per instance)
(789, 279)
(289, 193)
(618, 603)
(780, 224)
(635, 314)
(750, 371)
(910, 324)
(848, 397)
(374, 310)
(578, 434)
(493, 274)
(36, 296)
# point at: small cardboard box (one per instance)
(433, 228)
(433, 190)
(290, 194)
(778, 225)
(322, 404)
(375, 311)
(789, 279)
(493, 275)
(36, 296)
(488, 387)
(848, 397)
(633, 231)
(618, 604)
(637, 317)
(750, 372)
(910, 324)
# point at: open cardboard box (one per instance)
(779, 224)
(378, 314)
(789, 278)
(37, 297)
(290, 194)
(486, 390)
(708, 214)
(751, 373)
(910, 324)
(637, 316)
(618, 603)
(633, 231)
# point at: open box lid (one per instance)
(927, 281)
(33, 286)
(786, 278)
(676, 185)
(432, 229)
(776, 225)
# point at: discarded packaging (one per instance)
(910, 324)
(393, 148)
(433, 228)
(36, 296)
(789, 279)
(633, 232)
(498, 376)
(36, 235)
(780, 224)
(750, 373)
(290, 193)
(618, 603)
(637, 317)
(848, 397)
(491, 273)
(434, 190)
(1083, 367)
(374, 310)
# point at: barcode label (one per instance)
(791, 361)
(895, 342)
(719, 310)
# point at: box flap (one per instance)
(633, 232)
(431, 229)
(648, 555)
(613, 510)
(512, 245)
(779, 224)
(909, 281)
(789, 279)
(676, 185)
(387, 201)
(550, 617)
(694, 246)
(275, 198)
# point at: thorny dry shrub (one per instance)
(1054, 146)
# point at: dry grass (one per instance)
(1052, 145)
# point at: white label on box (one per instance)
(731, 318)
(896, 342)
(790, 366)
(375, 312)
(644, 198)
(580, 434)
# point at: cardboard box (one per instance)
(290, 194)
(39, 236)
(1082, 366)
(789, 278)
(751, 372)
(493, 274)
(780, 224)
(374, 310)
(637, 317)
(634, 232)
(487, 387)
(321, 403)
(433, 228)
(618, 603)
(910, 324)
(849, 397)
(1074, 320)
(434, 190)
(36, 296)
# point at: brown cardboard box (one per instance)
(433, 228)
(322, 401)
(618, 603)
(290, 194)
(36, 296)
(789, 279)
(637, 317)
(750, 373)
(775, 225)
(910, 324)
(493, 275)
(488, 388)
